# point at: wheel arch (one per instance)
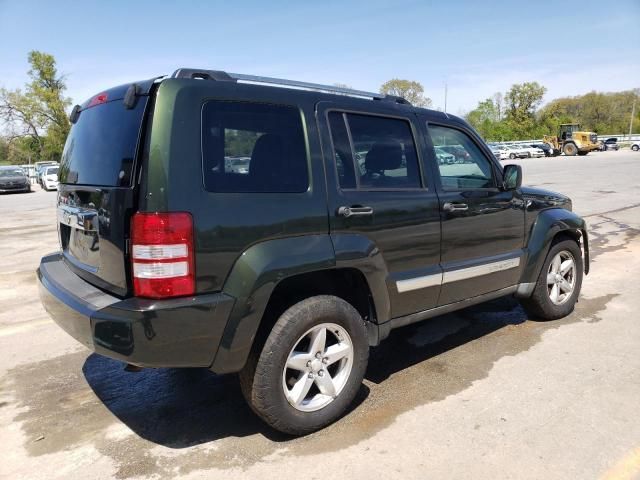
(273, 275)
(550, 226)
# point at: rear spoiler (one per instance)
(128, 93)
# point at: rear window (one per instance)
(253, 147)
(101, 147)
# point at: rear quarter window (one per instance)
(253, 147)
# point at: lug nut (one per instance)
(311, 375)
(309, 363)
(321, 373)
(318, 355)
(325, 360)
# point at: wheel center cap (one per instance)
(316, 365)
(558, 278)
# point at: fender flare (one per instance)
(260, 268)
(548, 224)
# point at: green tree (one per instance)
(521, 102)
(4, 151)
(604, 113)
(37, 115)
(485, 119)
(410, 90)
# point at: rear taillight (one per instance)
(162, 255)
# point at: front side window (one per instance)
(374, 152)
(462, 164)
(253, 147)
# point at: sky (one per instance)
(476, 48)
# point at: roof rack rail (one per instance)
(222, 76)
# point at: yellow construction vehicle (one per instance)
(572, 141)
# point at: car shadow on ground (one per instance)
(421, 341)
(179, 408)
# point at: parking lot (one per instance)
(484, 390)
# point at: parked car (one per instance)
(610, 144)
(237, 164)
(502, 151)
(49, 178)
(545, 147)
(444, 157)
(290, 273)
(532, 152)
(457, 151)
(516, 151)
(635, 146)
(13, 179)
(40, 166)
(497, 152)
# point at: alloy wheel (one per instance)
(561, 277)
(318, 367)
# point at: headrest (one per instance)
(383, 156)
(267, 156)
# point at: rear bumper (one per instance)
(180, 332)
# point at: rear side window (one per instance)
(253, 147)
(101, 146)
(374, 153)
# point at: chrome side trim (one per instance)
(480, 270)
(435, 279)
(419, 282)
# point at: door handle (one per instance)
(455, 207)
(355, 211)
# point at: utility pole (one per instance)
(445, 96)
(633, 112)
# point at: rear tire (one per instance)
(570, 149)
(635, 148)
(582, 154)
(559, 283)
(512, 156)
(296, 389)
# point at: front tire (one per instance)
(512, 156)
(635, 148)
(310, 367)
(570, 149)
(559, 283)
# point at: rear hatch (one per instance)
(97, 190)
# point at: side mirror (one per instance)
(512, 177)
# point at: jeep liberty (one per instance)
(280, 229)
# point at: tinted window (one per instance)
(251, 147)
(462, 164)
(380, 154)
(101, 146)
(342, 150)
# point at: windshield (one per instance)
(51, 171)
(11, 172)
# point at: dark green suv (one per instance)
(280, 229)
